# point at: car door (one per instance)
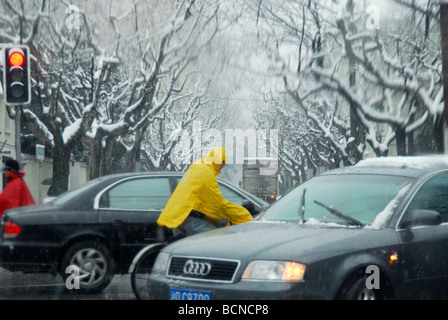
(129, 209)
(424, 253)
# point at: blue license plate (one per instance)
(187, 294)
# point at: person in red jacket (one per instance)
(16, 193)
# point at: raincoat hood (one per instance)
(15, 174)
(216, 157)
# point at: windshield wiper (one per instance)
(302, 207)
(340, 214)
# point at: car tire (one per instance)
(356, 289)
(95, 265)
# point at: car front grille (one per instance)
(203, 269)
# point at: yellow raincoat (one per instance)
(198, 190)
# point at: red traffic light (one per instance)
(16, 59)
(16, 75)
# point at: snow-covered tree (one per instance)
(99, 80)
(65, 92)
(353, 85)
(162, 80)
(398, 74)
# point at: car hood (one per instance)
(278, 240)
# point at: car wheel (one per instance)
(95, 264)
(356, 289)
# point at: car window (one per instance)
(74, 193)
(433, 195)
(363, 197)
(230, 195)
(142, 194)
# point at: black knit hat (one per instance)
(11, 165)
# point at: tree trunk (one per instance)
(95, 157)
(61, 170)
(106, 154)
(133, 163)
(438, 134)
(356, 129)
(400, 138)
(444, 47)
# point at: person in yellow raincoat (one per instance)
(197, 204)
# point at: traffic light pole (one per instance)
(18, 133)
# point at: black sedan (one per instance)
(98, 226)
(377, 230)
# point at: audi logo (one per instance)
(196, 268)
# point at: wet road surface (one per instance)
(20, 286)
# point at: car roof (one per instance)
(118, 176)
(109, 178)
(408, 166)
(152, 173)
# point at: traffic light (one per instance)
(272, 198)
(16, 75)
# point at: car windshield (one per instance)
(368, 199)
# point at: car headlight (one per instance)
(161, 261)
(274, 271)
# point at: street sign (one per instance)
(40, 152)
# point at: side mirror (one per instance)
(250, 207)
(420, 217)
